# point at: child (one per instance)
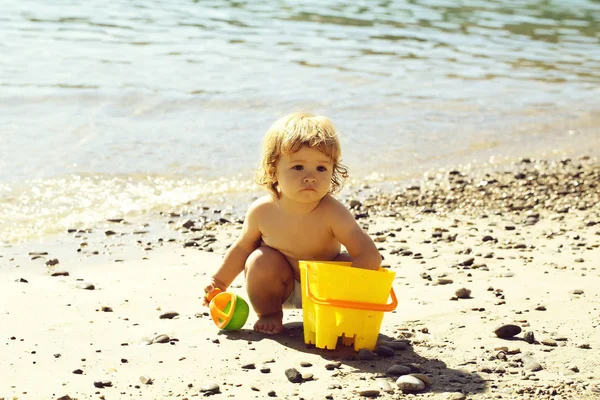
(298, 220)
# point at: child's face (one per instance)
(305, 175)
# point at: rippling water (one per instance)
(112, 108)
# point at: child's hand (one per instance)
(208, 290)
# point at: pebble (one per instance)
(397, 344)
(161, 338)
(265, 369)
(577, 291)
(211, 388)
(398, 370)
(457, 396)
(444, 281)
(307, 376)
(169, 315)
(102, 384)
(86, 286)
(249, 366)
(385, 386)
(333, 365)
(423, 378)
(529, 363)
(293, 375)
(365, 354)
(145, 379)
(408, 383)
(371, 393)
(529, 337)
(507, 331)
(272, 393)
(60, 273)
(548, 342)
(384, 351)
(462, 293)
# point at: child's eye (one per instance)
(298, 167)
(321, 169)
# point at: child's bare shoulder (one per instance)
(261, 205)
(330, 204)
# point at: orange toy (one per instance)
(228, 310)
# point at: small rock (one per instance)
(249, 366)
(272, 393)
(398, 370)
(372, 393)
(549, 342)
(78, 371)
(305, 364)
(397, 344)
(307, 376)
(146, 380)
(463, 293)
(60, 273)
(408, 383)
(385, 386)
(333, 365)
(529, 337)
(529, 363)
(265, 369)
(161, 338)
(444, 281)
(423, 378)
(384, 351)
(169, 315)
(211, 388)
(65, 397)
(540, 308)
(366, 354)
(506, 331)
(293, 375)
(457, 396)
(86, 286)
(577, 291)
(106, 309)
(102, 384)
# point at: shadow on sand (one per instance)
(442, 378)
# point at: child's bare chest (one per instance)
(300, 238)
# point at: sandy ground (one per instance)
(536, 268)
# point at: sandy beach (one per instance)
(114, 311)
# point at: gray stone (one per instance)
(506, 331)
(408, 383)
(398, 370)
(530, 364)
(385, 386)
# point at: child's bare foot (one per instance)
(270, 324)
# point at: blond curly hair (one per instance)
(290, 133)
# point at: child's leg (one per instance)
(344, 257)
(269, 281)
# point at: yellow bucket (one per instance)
(340, 301)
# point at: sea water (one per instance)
(114, 109)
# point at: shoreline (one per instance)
(525, 244)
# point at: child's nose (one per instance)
(310, 179)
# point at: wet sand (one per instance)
(114, 311)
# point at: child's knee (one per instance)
(267, 264)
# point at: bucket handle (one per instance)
(349, 304)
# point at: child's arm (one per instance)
(358, 243)
(235, 257)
